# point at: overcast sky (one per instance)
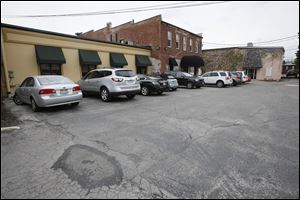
(225, 23)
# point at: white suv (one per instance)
(110, 82)
(244, 76)
(219, 78)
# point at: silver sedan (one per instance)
(47, 91)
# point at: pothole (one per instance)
(90, 167)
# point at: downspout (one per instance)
(5, 65)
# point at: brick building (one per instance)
(169, 43)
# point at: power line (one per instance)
(128, 10)
(264, 42)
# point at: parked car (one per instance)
(186, 79)
(110, 82)
(218, 78)
(172, 81)
(152, 84)
(236, 78)
(244, 76)
(292, 73)
(46, 91)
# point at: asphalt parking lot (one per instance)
(234, 142)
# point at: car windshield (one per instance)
(187, 74)
(125, 73)
(53, 80)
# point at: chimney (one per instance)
(108, 25)
(132, 22)
(249, 44)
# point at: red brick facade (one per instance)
(151, 32)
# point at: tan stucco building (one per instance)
(26, 51)
(261, 63)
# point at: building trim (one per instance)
(3, 25)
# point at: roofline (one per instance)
(254, 47)
(4, 25)
(182, 29)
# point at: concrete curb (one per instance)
(10, 128)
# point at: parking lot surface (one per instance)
(233, 142)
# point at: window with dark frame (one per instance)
(50, 69)
(177, 41)
(169, 39)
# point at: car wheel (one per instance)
(130, 96)
(75, 104)
(160, 92)
(234, 83)
(17, 100)
(220, 84)
(34, 106)
(189, 85)
(145, 91)
(84, 94)
(104, 94)
(174, 89)
(198, 86)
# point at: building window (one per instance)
(191, 45)
(169, 39)
(50, 69)
(177, 41)
(184, 43)
(200, 46)
(196, 47)
(86, 68)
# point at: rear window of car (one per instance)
(222, 73)
(53, 80)
(124, 73)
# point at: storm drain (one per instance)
(90, 167)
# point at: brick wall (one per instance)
(151, 32)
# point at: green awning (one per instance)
(117, 60)
(49, 55)
(142, 61)
(89, 57)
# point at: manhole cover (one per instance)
(90, 167)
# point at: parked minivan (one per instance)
(110, 82)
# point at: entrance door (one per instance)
(251, 73)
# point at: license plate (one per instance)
(130, 82)
(64, 91)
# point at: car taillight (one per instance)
(47, 91)
(227, 78)
(117, 79)
(76, 88)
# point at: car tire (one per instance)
(160, 92)
(75, 104)
(174, 89)
(189, 85)
(130, 96)
(234, 83)
(17, 100)
(198, 86)
(104, 94)
(145, 91)
(34, 106)
(84, 94)
(220, 84)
